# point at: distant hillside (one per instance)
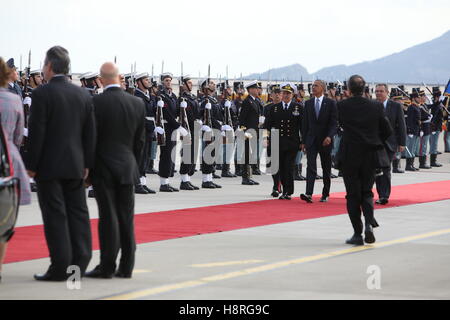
(289, 73)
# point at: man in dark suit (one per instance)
(121, 136)
(365, 130)
(318, 129)
(285, 117)
(249, 118)
(61, 150)
(395, 143)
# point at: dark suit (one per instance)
(315, 130)
(395, 115)
(61, 145)
(120, 126)
(365, 129)
(288, 122)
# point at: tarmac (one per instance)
(305, 259)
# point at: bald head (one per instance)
(109, 74)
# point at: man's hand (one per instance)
(303, 148)
(86, 173)
(32, 174)
(401, 148)
(326, 142)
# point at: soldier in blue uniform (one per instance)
(412, 130)
(13, 86)
(209, 105)
(142, 91)
(436, 126)
(425, 130)
(189, 102)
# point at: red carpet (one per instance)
(29, 242)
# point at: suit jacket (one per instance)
(365, 127)
(396, 117)
(315, 130)
(62, 131)
(121, 136)
(249, 113)
(288, 122)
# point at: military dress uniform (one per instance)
(425, 127)
(286, 117)
(436, 127)
(187, 168)
(413, 132)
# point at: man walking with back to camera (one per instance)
(121, 136)
(365, 130)
(61, 150)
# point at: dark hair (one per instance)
(59, 60)
(5, 72)
(356, 85)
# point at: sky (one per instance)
(245, 35)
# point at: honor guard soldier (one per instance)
(211, 119)
(188, 105)
(13, 87)
(436, 126)
(238, 98)
(425, 127)
(412, 130)
(168, 101)
(92, 83)
(286, 117)
(142, 91)
(275, 98)
(249, 118)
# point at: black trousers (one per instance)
(116, 226)
(145, 157)
(311, 171)
(359, 177)
(66, 224)
(276, 176)
(287, 160)
(384, 182)
(208, 166)
(166, 165)
(190, 152)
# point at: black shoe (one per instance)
(215, 176)
(382, 201)
(248, 182)
(195, 187)
(151, 171)
(356, 240)
(324, 199)
(139, 189)
(216, 185)
(275, 194)
(122, 275)
(91, 194)
(333, 176)
(318, 177)
(33, 187)
(150, 191)
(165, 188)
(186, 186)
(98, 273)
(173, 188)
(369, 237)
(49, 277)
(255, 183)
(306, 198)
(433, 161)
(257, 172)
(228, 174)
(285, 197)
(208, 185)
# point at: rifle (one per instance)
(132, 80)
(26, 106)
(184, 123)
(159, 122)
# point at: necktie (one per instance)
(317, 108)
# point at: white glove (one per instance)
(206, 129)
(183, 131)
(228, 104)
(433, 133)
(183, 104)
(208, 106)
(421, 134)
(410, 135)
(27, 101)
(262, 119)
(159, 130)
(160, 103)
(224, 134)
(248, 135)
(226, 128)
(200, 122)
(25, 132)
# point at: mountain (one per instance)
(289, 73)
(427, 62)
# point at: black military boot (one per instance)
(226, 171)
(256, 170)
(433, 161)
(423, 163)
(396, 167)
(238, 170)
